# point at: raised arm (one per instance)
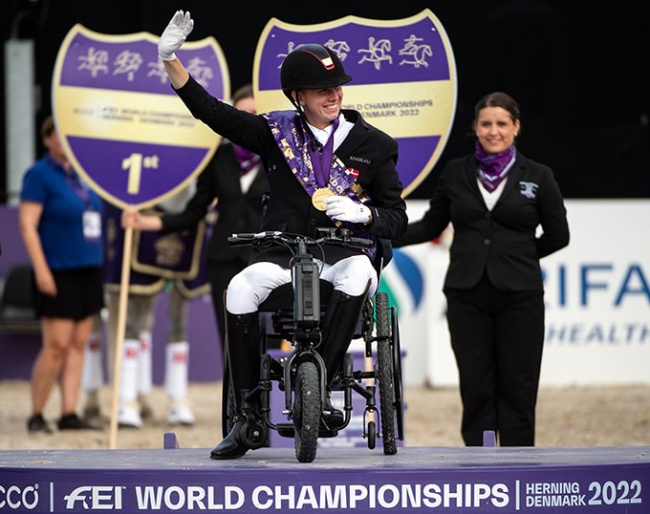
(171, 40)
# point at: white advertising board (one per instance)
(597, 293)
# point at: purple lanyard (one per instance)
(79, 190)
(321, 156)
(73, 181)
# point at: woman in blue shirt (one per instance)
(60, 221)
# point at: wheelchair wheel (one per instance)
(306, 411)
(397, 374)
(372, 435)
(253, 434)
(384, 372)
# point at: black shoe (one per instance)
(74, 422)
(232, 446)
(38, 424)
(332, 418)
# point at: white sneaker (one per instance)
(128, 416)
(180, 413)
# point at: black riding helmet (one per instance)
(311, 66)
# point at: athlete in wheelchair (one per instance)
(304, 312)
(327, 167)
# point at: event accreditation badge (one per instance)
(404, 79)
(120, 123)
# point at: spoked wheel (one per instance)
(385, 370)
(306, 411)
(397, 374)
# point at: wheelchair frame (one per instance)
(301, 375)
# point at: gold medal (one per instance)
(319, 195)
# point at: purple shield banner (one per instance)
(404, 79)
(120, 123)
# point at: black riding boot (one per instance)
(339, 325)
(243, 343)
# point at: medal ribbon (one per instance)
(321, 156)
(290, 138)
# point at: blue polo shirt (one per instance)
(65, 199)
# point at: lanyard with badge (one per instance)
(91, 220)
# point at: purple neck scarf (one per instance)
(493, 168)
(247, 160)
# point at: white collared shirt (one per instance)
(322, 135)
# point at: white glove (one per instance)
(343, 208)
(174, 35)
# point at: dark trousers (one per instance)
(497, 338)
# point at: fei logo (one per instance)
(95, 497)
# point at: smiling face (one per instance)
(495, 129)
(321, 106)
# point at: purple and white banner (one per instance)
(480, 481)
(121, 124)
(404, 79)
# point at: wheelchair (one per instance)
(292, 313)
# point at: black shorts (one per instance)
(80, 293)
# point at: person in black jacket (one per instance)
(496, 200)
(233, 184)
(326, 167)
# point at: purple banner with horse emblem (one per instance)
(120, 123)
(404, 79)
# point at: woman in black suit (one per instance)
(496, 199)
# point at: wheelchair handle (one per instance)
(328, 236)
(251, 238)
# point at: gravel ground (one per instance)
(567, 417)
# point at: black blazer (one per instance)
(238, 211)
(501, 242)
(366, 149)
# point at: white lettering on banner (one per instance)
(552, 488)
(95, 497)
(619, 493)
(401, 497)
(569, 500)
(14, 497)
(188, 498)
(568, 494)
(386, 496)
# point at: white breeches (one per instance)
(249, 288)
